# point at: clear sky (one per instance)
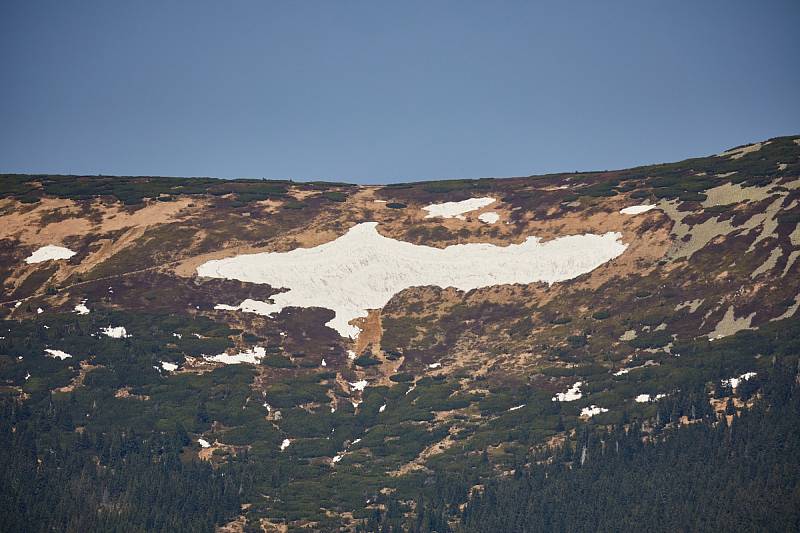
(373, 91)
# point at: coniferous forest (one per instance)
(735, 473)
(121, 482)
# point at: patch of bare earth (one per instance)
(77, 381)
(419, 463)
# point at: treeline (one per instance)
(652, 475)
(54, 479)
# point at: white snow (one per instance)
(636, 209)
(351, 354)
(46, 253)
(362, 269)
(515, 408)
(115, 332)
(572, 394)
(622, 371)
(285, 444)
(355, 442)
(434, 365)
(489, 217)
(382, 408)
(323, 363)
(81, 308)
(226, 307)
(359, 385)
(177, 335)
(593, 410)
(169, 367)
(204, 443)
(39, 310)
(734, 382)
(252, 356)
(57, 354)
(644, 398)
(457, 209)
(336, 458)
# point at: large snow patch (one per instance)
(362, 269)
(46, 253)
(457, 209)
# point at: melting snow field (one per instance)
(362, 269)
(457, 209)
(46, 253)
(636, 209)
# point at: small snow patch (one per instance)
(359, 385)
(636, 209)
(593, 410)
(81, 308)
(46, 253)
(735, 382)
(169, 367)
(226, 307)
(115, 332)
(39, 310)
(644, 398)
(434, 365)
(572, 394)
(515, 408)
(285, 444)
(252, 356)
(489, 218)
(622, 371)
(382, 408)
(323, 363)
(57, 354)
(336, 458)
(203, 443)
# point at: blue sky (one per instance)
(375, 92)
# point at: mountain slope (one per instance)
(333, 367)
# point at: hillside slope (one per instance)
(334, 349)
